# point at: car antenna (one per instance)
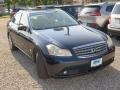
(68, 31)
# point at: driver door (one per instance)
(25, 37)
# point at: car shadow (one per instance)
(105, 79)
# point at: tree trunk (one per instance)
(99, 0)
(60, 1)
(8, 7)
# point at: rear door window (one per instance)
(17, 17)
(109, 8)
(24, 20)
(90, 9)
(69, 9)
(116, 9)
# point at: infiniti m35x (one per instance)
(58, 44)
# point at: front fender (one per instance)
(40, 43)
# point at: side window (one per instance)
(24, 20)
(16, 18)
(109, 8)
(13, 19)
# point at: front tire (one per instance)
(40, 65)
(109, 33)
(105, 29)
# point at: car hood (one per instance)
(71, 36)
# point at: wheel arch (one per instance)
(35, 49)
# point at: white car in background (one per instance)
(114, 21)
(96, 15)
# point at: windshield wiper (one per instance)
(68, 31)
(59, 29)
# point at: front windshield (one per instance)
(52, 19)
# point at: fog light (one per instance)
(65, 72)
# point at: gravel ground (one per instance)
(18, 72)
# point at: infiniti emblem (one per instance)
(93, 50)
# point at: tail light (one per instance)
(109, 19)
(95, 14)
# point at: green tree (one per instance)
(8, 4)
(13, 3)
(25, 2)
(45, 2)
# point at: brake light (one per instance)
(95, 14)
(109, 19)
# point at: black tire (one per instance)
(40, 65)
(11, 44)
(105, 29)
(109, 33)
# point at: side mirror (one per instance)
(23, 28)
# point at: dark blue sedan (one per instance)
(60, 46)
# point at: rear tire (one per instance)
(11, 44)
(40, 65)
(109, 33)
(105, 29)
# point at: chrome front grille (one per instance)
(90, 50)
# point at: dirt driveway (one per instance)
(18, 72)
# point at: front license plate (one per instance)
(97, 62)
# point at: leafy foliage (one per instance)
(12, 3)
(31, 2)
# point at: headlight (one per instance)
(56, 51)
(109, 42)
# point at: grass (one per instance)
(4, 16)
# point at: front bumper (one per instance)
(113, 31)
(77, 67)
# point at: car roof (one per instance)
(30, 11)
(69, 5)
(100, 4)
(58, 6)
(45, 6)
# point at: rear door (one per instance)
(13, 27)
(115, 16)
(25, 37)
